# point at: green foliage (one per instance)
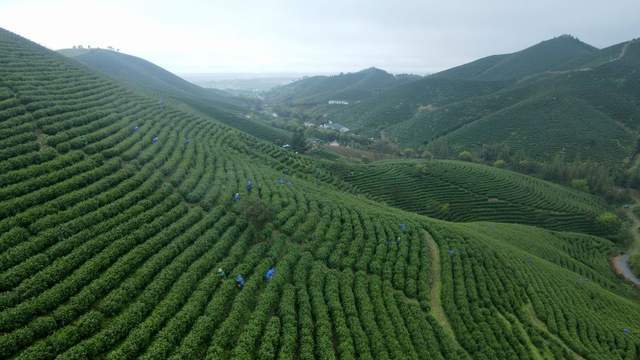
(299, 141)
(609, 222)
(580, 184)
(255, 212)
(634, 263)
(541, 57)
(465, 156)
(110, 245)
(473, 192)
(141, 74)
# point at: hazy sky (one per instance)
(188, 36)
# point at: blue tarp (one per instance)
(269, 274)
(239, 281)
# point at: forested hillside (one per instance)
(129, 229)
(348, 87)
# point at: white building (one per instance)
(338, 102)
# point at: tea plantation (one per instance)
(461, 191)
(124, 226)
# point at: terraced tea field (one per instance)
(459, 191)
(117, 212)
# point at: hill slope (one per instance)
(111, 243)
(317, 90)
(459, 191)
(538, 58)
(144, 75)
(559, 96)
(403, 101)
(594, 113)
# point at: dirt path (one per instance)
(435, 289)
(537, 323)
(621, 266)
(623, 52)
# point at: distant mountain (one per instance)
(541, 57)
(593, 112)
(144, 75)
(348, 87)
(559, 96)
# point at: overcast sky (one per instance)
(305, 36)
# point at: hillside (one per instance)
(592, 113)
(116, 213)
(403, 101)
(560, 96)
(538, 58)
(459, 191)
(143, 75)
(318, 90)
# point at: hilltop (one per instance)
(546, 55)
(121, 236)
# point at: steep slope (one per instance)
(144, 75)
(116, 214)
(148, 76)
(459, 191)
(538, 58)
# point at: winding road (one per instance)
(621, 262)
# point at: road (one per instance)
(621, 262)
(621, 266)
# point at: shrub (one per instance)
(465, 156)
(609, 222)
(255, 212)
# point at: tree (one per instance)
(440, 148)
(256, 213)
(609, 223)
(580, 184)
(299, 141)
(465, 156)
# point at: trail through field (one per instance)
(540, 325)
(621, 262)
(435, 289)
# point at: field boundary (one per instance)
(435, 287)
(540, 325)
